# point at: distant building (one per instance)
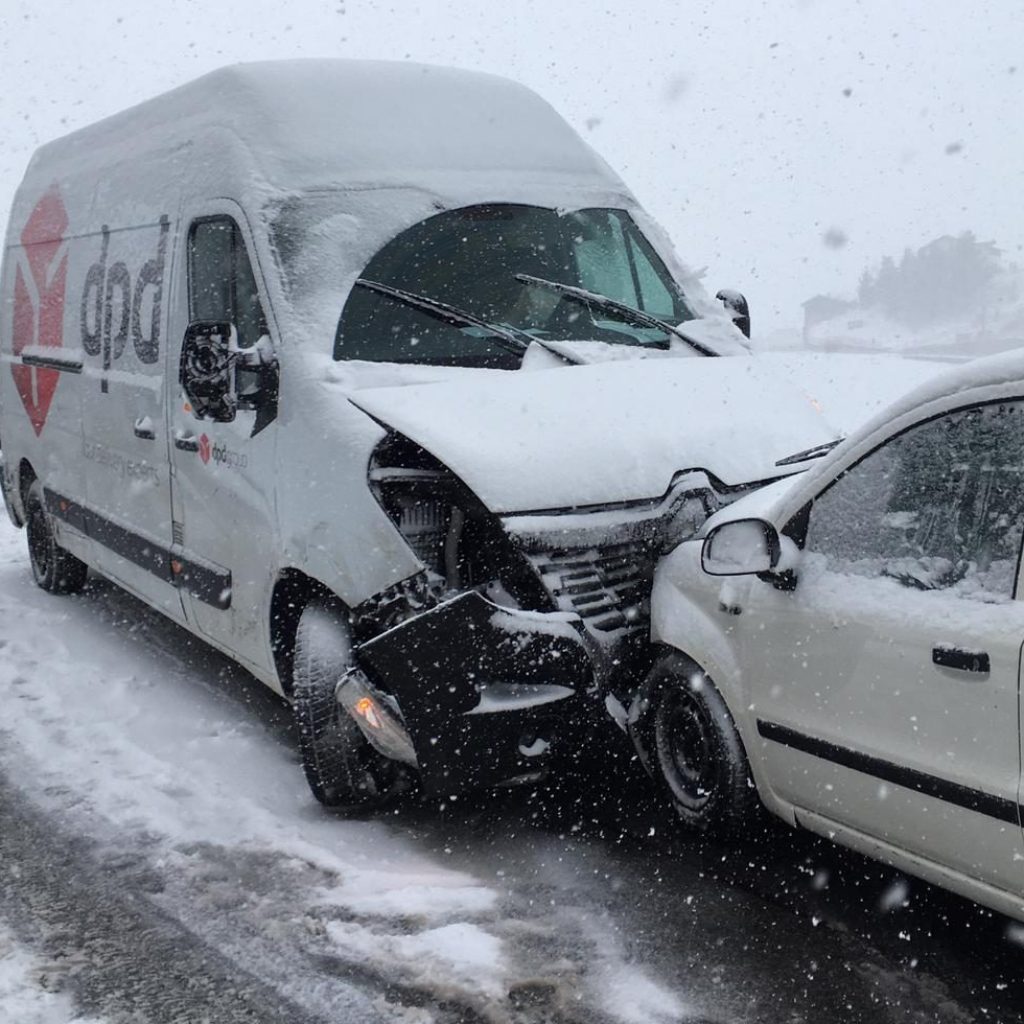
(820, 308)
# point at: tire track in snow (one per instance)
(118, 954)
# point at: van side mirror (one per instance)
(744, 547)
(218, 377)
(206, 369)
(737, 307)
(257, 379)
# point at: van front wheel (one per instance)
(54, 569)
(341, 767)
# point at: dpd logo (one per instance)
(112, 305)
(39, 303)
(220, 454)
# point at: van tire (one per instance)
(693, 751)
(341, 767)
(54, 569)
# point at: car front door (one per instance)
(887, 688)
(223, 466)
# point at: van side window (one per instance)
(221, 285)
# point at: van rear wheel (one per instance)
(341, 767)
(53, 568)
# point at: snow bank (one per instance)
(464, 952)
(24, 999)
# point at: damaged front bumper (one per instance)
(550, 623)
(486, 694)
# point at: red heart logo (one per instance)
(39, 303)
(204, 448)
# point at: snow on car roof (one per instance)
(329, 123)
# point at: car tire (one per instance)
(341, 767)
(689, 742)
(54, 569)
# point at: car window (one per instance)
(938, 507)
(221, 284)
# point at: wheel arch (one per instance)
(26, 477)
(684, 665)
(680, 622)
(743, 718)
(293, 591)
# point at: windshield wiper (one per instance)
(817, 452)
(635, 316)
(448, 314)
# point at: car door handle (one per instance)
(144, 428)
(949, 656)
(186, 442)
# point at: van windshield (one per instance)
(492, 268)
(479, 260)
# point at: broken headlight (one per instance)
(461, 544)
(430, 525)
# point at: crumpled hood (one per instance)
(615, 432)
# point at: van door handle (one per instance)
(949, 656)
(186, 442)
(144, 428)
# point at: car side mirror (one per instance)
(207, 369)
(744, 547)
(737, 307)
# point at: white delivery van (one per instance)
(379, 380)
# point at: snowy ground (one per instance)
(26, 989)
(161, 860)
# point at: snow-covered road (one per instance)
(162, 860)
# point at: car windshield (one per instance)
(477, 263)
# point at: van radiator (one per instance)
(423, 523)
(609, 588)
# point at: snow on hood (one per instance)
(851, 388)
(593, 435)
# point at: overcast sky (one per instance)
(757, 133)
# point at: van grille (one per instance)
(608, 587)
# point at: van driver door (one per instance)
(223, 462)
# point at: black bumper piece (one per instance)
(488, 694)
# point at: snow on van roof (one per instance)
(330, 123)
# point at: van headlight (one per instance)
(431, 526)
(461, 544)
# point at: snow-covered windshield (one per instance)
(477, 260)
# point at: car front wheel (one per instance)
(691, 748)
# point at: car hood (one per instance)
(608, 433)
(851, 387)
